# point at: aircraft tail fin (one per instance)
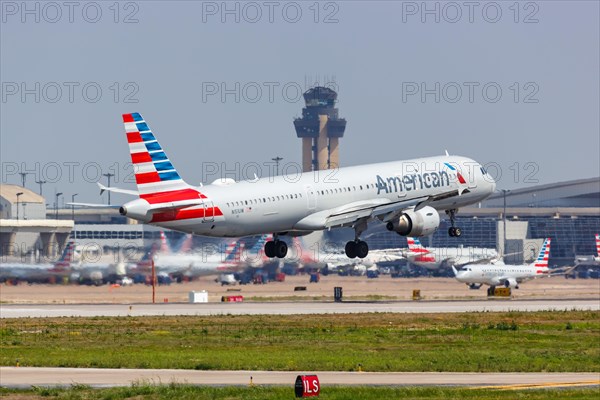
(598, 244)
(542, 260)
(186, 244)
(415, 246)
(164, 245)
(154, 172)
(66, 257)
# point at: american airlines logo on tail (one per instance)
(542, 259)
(157, 179)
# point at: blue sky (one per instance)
(514, 87)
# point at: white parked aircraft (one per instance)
(39, 272)
(196, 265)
(590, 260)
(434, 258)
(405, 195)
(510, 276)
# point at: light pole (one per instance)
(277, 160)
(73, 206)
(18, 195)
(40, 183)
(504, 191)
(108, 175)
(56, 205)
(73, 215)
(23, 176)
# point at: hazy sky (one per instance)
(512, 85)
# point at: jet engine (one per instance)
(413, 223)
(511, 283)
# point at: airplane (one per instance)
(435, 258)
(193, 266)
(405, 195)
(590, 260)
(39, 272)
(509, 276)
(330, 261)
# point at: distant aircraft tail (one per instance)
(186, 245)
(164, 245)
(234, 255)
(66, 257)
(541, 263)
(597, 244)
(415, 246)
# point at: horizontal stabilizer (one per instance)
(92, 205)
(116, 190)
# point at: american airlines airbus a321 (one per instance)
(405, 195)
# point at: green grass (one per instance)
(469, 342)
(174, 391)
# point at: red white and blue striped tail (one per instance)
(154, 172)
(542, 259)
(415, 246)
(598, 244)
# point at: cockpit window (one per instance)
(483, 171)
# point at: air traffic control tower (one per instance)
(320, 129)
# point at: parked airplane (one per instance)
(474, 275)
(433, 258)
(333, 261)
(196, 265)
(39, 272)
(590, 260)
(405, 195)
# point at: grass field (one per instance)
(469, 342)
(275, 393)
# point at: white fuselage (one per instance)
(302, 202)
(438, 257)
(495, 274)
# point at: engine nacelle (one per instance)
(511, 283)
(416, 223)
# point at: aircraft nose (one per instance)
(492, 185)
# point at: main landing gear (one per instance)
(453, 230)
(276, 248)
(357, 248)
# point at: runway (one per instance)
(289, 308)
(27, 377)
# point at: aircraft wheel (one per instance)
(270, 249)
(281, 249)
(362, 249)
(351, 249)
(451, 232)
(457, 232)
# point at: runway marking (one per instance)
(541, 385)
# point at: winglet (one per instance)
(448, 155)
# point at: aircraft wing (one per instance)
(351, 213)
